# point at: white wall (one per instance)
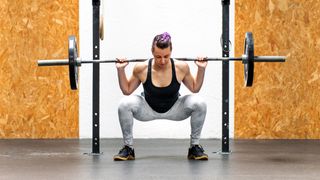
(130, 25)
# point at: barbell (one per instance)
(248, 59)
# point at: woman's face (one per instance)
(161, 56)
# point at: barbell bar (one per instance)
(64, 62)
(248, 59)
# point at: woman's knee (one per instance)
(197, 103)
(128, 102)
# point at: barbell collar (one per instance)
(245, 59)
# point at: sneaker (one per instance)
(196, 152)
(126, 153)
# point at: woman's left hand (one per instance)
(201, 62)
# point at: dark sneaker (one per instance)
(126, 153)
(196, 152)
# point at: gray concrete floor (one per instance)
(159, 159)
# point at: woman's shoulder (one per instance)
(182, 65)
(140, 66)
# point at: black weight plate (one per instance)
(249, 61)
(73, 67)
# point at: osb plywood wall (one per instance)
(284, 102)
(36, 102)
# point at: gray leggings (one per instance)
(135, 106)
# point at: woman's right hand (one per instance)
(121, 63)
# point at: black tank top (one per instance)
(161, 99)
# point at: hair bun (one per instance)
(165, 36)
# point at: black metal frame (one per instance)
(96, 78)
(225, 76)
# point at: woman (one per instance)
(161, 78)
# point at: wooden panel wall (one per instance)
(284, 102)
(36, 102)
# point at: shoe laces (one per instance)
(125, 149)
(198, 148)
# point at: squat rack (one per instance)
(96, 78)
(225, 77)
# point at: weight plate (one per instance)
(249, 59)
(73, 67)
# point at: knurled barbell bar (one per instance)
(248, 59)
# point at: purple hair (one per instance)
(162, 41)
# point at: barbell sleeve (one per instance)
(269, 59)
(53, 62)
